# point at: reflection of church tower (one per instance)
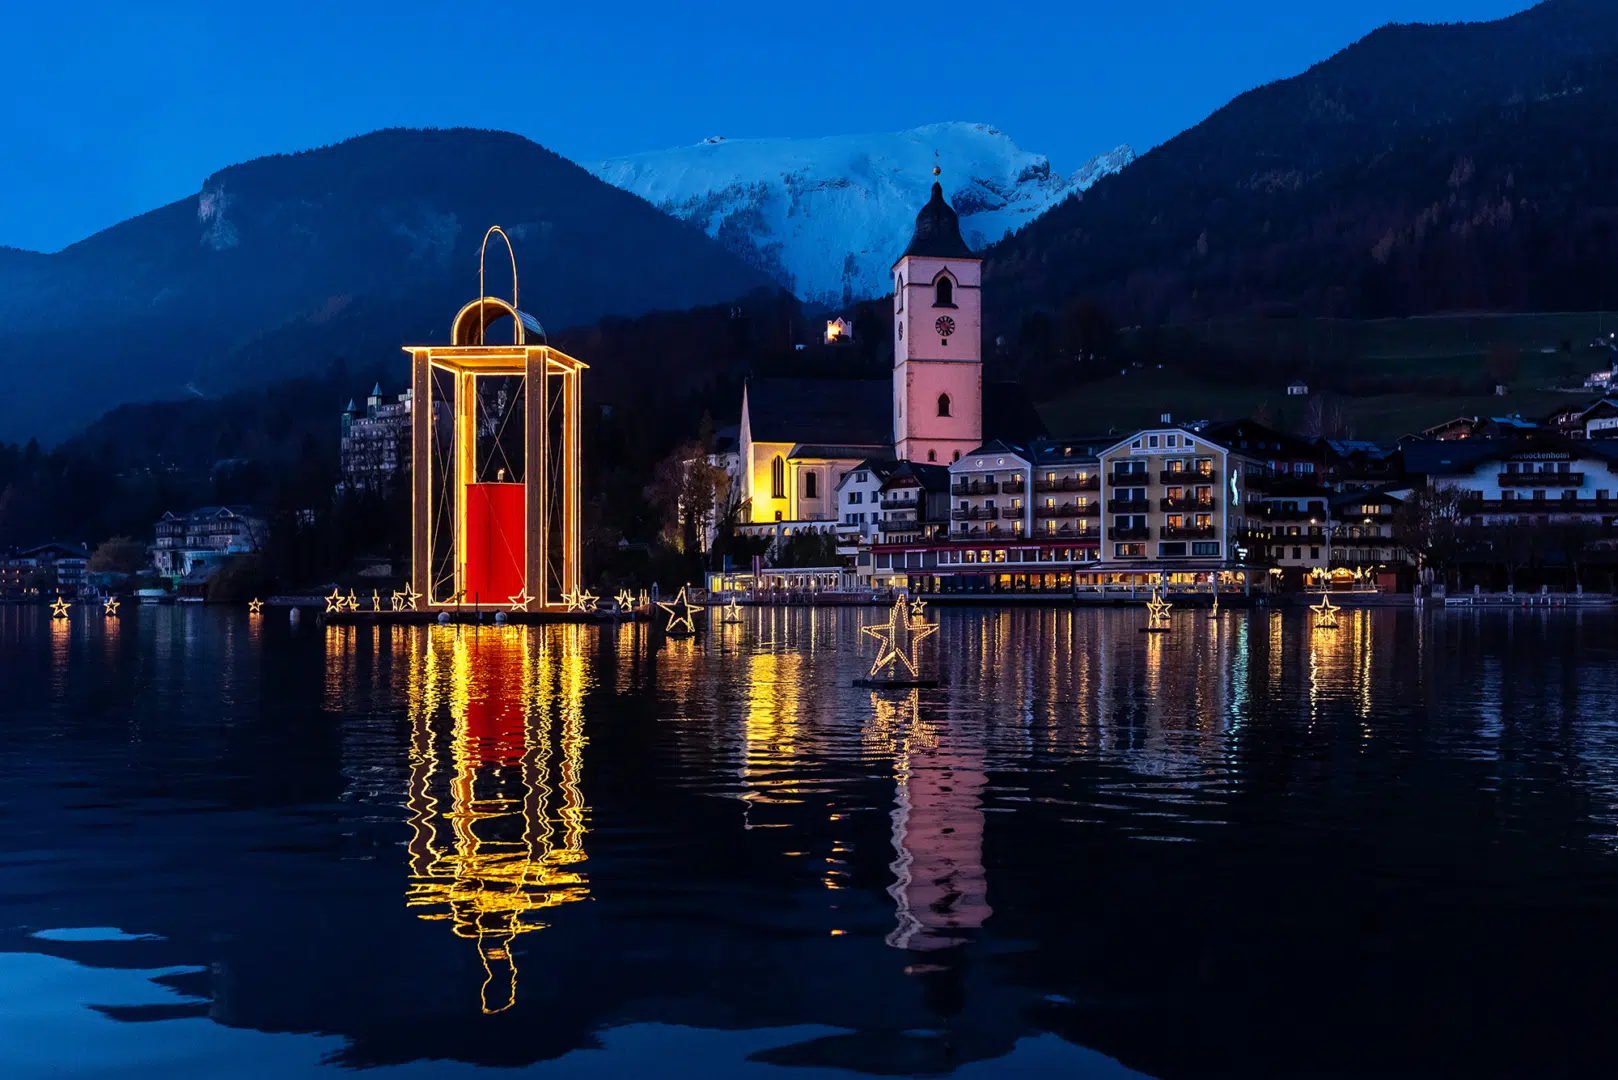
(488, 759)
(940, 886)
(938, 343)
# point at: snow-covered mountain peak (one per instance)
(827, 217)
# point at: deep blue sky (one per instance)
(112, 109)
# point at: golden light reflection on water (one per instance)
(496, 802)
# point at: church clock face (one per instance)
(945, 326)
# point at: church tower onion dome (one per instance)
(938, 230)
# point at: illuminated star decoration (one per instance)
(1325, 614)
(376, 600)
(59, 608)
(520, 601)
(353, 601)
(109, 606)
(644, 600)
(409, 596)
(918, 608)
(733, 611)
(589, 601)
(334, 602)
(625, 600)
(682, 614)
(1157, 609)
(254, 606)
(899, 637)
(395, 601)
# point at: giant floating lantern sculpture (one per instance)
(495, 443)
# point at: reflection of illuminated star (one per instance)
(255, 606)
(109, 606)
(681, 614)
(1157, 609)
(899, 637)
(520, 601)
(626, 599)
(334, 602)
(1325, 612)
(59, 608)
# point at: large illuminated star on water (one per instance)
(588, 600)
(682, 613)
(626, 600)
(520, 601)
(899, 637)
(255, 606)
(1157, 609)
(335, 602)
(733, 611)
(573, 600)
(409, 596)
(59, 608)
(1325, 613)
(109, 606)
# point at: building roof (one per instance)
(56, 548)
(828, 451)
(1461, 456)
(825, 412)
(881, 468)
(1059, 451)
(993, 447)
(938, 231)
(932, 478)
(1250, 436)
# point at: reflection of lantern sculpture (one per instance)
(495, 443)
(489, 850)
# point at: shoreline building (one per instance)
(375, 447)
(189, 544)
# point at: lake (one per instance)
(230, 846)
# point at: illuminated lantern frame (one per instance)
(495, 445)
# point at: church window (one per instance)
(932, 455)
(945, 293)
(811, 486)
(943, 404)
(957, 456)
(899, 292)
(778, 478)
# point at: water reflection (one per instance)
(497, 813)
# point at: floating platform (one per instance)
(896, 684)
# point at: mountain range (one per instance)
(827, 217)
(1422, 169)
(283, 265)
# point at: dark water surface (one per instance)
(230, 847)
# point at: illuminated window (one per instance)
(778, 478)
(946, 293)
(943, 404)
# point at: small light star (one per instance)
(410, 596)
(733, 611)
(589, 601)
(59, 608)
(1157, 609)
(681, 613)
(334, 602)
(625, 599)
(352, 602)
(520, 601)
(255, 606)
(899, 637)
(109, 606)
(376, 600)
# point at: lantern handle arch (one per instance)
(483, 255)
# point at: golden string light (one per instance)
(521, 601)
(625, 600)
(899, 637)
(255, 606)
(59, 608)
(1157, 610)
(589, 601)
(682, 613)
(109, 606)
(334, 602)
(733, 611)
(1325, 614)
(352, 601)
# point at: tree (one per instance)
(804, 548)
(686, 488)
(1431, 524)
(119, 555)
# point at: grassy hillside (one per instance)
(1393, 376)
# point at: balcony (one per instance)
(974, 513)
(1013, 487)
(1541, 479)
(1187, 477)
(1069, 483)
(1198, 506)
(1129, 506)
(1083, 530)
(898, 504)
(1129, 479)
(973, 487)
(1089, 509)
(1143, 533)
(1011, 513)
(1188, 532)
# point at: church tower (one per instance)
(938, 342)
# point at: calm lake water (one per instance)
(231, 847)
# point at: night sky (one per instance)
(113, 109)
